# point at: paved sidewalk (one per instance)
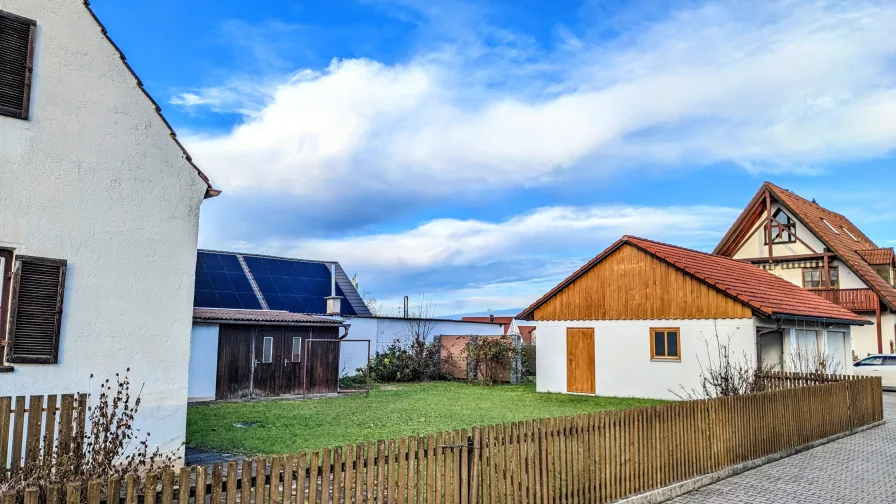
(856, 469)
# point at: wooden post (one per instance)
(880, 338)
(827, 271)
(768, 230)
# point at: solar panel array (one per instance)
(295, 286)
(285, 284)
(222, 283)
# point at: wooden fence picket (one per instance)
(302, 479)
(18, 432)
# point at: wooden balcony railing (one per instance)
(851, 299)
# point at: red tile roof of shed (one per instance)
(751, 285)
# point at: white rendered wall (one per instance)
(383, 331)
(203, 362)
(864, 338)
(94, 178)
(623, 366)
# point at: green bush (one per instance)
(491, 357)
(527, 357)
(407, 362)
(353, 382)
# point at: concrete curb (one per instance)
(679, 489)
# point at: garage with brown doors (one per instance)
(270, 353)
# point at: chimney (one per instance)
(405, 307)
(334, 302)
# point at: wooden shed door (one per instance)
(580, 360)
(294, 347)
(269, 358)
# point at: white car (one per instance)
(883, 365)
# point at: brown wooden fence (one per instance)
(31, 427)
(785, 380)
(598, 457)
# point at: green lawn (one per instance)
(390, 411)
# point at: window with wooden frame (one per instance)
(665, 343)
(784, 230)
(35, 314)
(813, 278)
(16, 63)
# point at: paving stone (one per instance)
(856, 469)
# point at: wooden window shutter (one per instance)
(36, 310)
(16, 60)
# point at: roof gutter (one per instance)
(823, 320)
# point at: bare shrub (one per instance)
(110, 446)
(814, 361)
(723, 374)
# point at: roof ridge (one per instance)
(266, 256)
(710, 254)
(811, 202)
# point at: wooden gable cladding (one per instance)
(630, 284)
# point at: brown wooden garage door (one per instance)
(266, 361)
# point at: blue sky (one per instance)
(478, 152)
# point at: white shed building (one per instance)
(641, 318)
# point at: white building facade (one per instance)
(99, 202)
(623, 367)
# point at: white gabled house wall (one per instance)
(93, 177)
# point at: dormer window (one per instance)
(783, 228)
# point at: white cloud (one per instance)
(544, 231)
(475, 264)
(768, 86)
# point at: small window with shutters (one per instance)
(16, 60)
(36, 310)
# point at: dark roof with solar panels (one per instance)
(255, 282)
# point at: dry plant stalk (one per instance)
(110, 446)
(724, 375)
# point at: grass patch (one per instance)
(276, 427)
